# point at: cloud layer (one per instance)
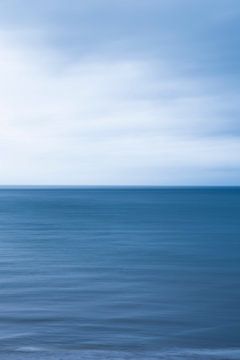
(108, 117)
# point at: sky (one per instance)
(107, 92)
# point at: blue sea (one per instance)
(119, 273)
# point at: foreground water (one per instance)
(120, 274)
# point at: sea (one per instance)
(119, 273)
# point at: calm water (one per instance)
(120, 274)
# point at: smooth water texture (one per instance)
(118, 273)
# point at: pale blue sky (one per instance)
(120, 92)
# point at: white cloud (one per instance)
(106, 121)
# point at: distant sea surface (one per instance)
(120, 273)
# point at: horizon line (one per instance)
(38, 186)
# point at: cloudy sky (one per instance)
(140, 92)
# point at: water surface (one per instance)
(120, 273)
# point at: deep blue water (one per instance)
(108, 273)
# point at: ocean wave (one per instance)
(38, 353)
